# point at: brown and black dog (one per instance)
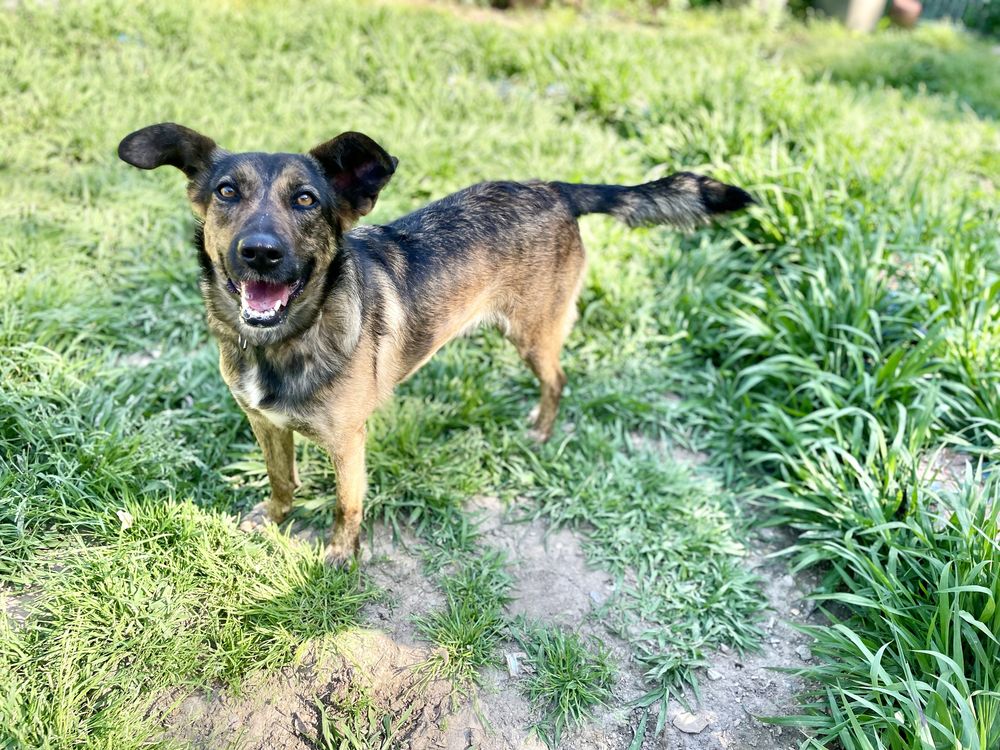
(317, 322)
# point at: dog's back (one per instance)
(510, 253)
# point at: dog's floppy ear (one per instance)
(357, 169)
(167, 143)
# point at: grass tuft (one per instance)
(473, 622)
(568, 678)
(178, 597)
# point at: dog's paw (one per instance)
(257, 517)
(538, 436)
(537, 433)
(340, 555)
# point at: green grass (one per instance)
(925, 654)
(568, 677)
(818, 345)
(177, 597)
(357, 722)
(670, 537)
(473, 623)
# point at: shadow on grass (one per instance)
(164, 595)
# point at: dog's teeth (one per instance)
(277, 306)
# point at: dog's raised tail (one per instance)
(683, 200)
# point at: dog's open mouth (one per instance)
(263, 303)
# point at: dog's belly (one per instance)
(472, 322)
(485, 319)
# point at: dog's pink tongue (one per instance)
(261, 296)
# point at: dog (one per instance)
(317, 319)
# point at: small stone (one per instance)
(596, 598)
(724, 648)
(513, 659)
(794, 612)
(803, 653)
(714, 674)
(690, 723)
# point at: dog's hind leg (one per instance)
(544, 362)
(539, 335)
(279, 456)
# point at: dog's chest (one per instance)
(282, 395)
(253, 391)
(284, 387)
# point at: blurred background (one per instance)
(980, 15)
(860, 15)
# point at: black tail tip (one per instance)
(720, 198)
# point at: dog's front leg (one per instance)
(279, 456)
(347, 450)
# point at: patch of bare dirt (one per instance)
(396, 569)
(552, 581)
(495, 717)
(281, 710)
(737, 689)
(15, 606)
(944, 468)
(553, 584)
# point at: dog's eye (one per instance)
(226, 191)
(305, 199)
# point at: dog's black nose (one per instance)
(262, 252)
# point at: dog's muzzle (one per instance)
(265, 303)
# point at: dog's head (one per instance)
(271, 224)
